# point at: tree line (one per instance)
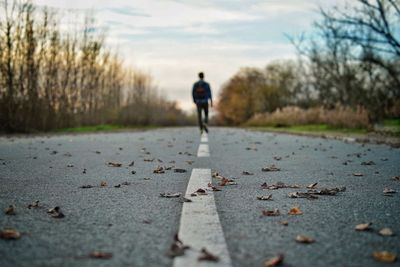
(353, 62)
(52, 78)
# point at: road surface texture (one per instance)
(137, 226)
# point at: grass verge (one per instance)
(103, 128)
(314, 129)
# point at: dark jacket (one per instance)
(201, 92)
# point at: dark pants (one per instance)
(200, 108)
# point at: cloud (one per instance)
(127, 11)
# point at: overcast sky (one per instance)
(175, 39)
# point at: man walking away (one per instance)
(201, 94)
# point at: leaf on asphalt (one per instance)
(207, 256)
(84, 171)
(271, 168)
(368, 163)
(358, 174)
(132, 164)
(190, 162)
(117, 186)
(200, 191)
(327, 191)
(100, 255)
(149, 160)
(267, 197)
(389, 191)
(363, 227)
(247, 173)
(274, 261)
(304, 239)
(126, 183)
(386, 232)
(114, 164)
(34, 205)
(9, 234)
(274, 212)
(70, 165)
(180, 170)
(186, 200)
(133, 172)
(277, 158)
(295, 211)
(170, 195)
(384, 256)
(103, 184)
(312, 186)
(302, 195)
(177, 248)
(10, 210)
(225, 181)
(159, 170)
(284, 223)
(396, 178)
(213, 188)
(56, 213)
(146, 178)
(86, 186)
(97, 152)
(278, 185)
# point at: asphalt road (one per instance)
(137, 226)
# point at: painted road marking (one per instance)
(203, 151)
(200, 226)
(204, 138)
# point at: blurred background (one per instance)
(270, 63)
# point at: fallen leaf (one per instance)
(207, 256)
(201, 191)
(396, 178)
(389, 191)
(177, 248)
(86, 186)
(9, 234)
(133, 172)
(363, 227)
(56, 213)
(274, 261)
(358, 174)
(386, 232)
(247, 173)
(190, 162)
(267, 197)
(70, 165)
(278, 185)
(34, 205)
(304, 239)
(384, 256)
(186, 200)
(368, 163)
(84, 171)
(312, 186)
(170, 195)
(103, 184)
(285, 223)
(180, 170)
(225, 181)
(149, 160)
(159, 170)
(114, 164)
(10, 210)
(132, 164)
(100, 255)
(117, 186)
(277, 158)
(274, 212)
(271, 168)
(327, 191)
(126, 183)
(295, 211)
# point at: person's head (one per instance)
(201, 75)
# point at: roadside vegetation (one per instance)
(346, 77)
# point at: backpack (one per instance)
(200, 92)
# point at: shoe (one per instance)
(201, 131)
(205, 127)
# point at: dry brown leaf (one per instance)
(114, 164)
(302, 195)
(10, 210)
(180, 170)
(267, 197)
(304, 239)
(368, 163)
(56, 213)
(327, 191)
(312, 186)
(177, 248)
(271, 168)
(170, 195)
(389, 191)
(9, 234)
(103, 184)
(386, 232)
(384, 256)
(34, 205)
(295, 211)
(207, 256)
(284, 223)
(100, 255)
(358, 174)
(159, 170)
(225, 181)
(363, 227)
(149, 160)
(247, 173)
(274, 261)
(396, 178)
(86, 186)
(132, 164)
(274, 212)
(277, 158)
(278, 185)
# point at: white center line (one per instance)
(204, 138)
(203, 151)
(200, 226)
